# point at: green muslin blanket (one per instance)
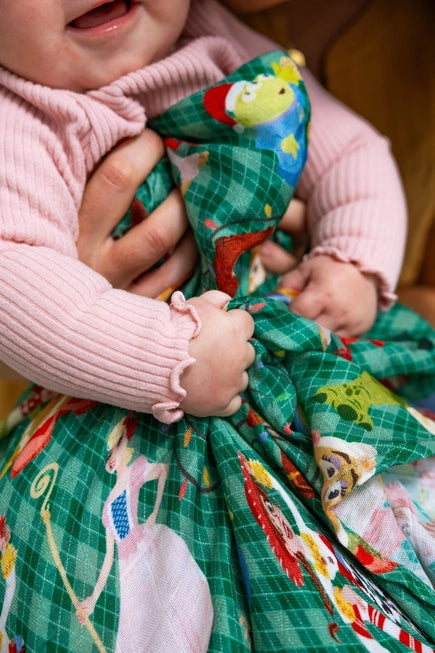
(306, 521)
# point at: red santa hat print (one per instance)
(220, 101)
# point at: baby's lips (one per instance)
(104, 13)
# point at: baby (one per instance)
(77, 78)
(117, 531)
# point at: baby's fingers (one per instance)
(243, 322)
(296, 279)
(232, 407)
(309, 303)
(216, 297)
(313, 304)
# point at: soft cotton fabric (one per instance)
(60, 321)
(305, 522)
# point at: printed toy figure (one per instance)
(272, 106)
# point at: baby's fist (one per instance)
(222, 354)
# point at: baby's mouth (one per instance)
(105, 13)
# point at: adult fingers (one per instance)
(168, 276)
(112, 186)
(150, 240)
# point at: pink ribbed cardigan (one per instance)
(62, 325)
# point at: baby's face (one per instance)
(85, 44)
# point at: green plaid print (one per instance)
(258, 532)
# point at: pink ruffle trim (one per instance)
(386, 297)
(170, 411)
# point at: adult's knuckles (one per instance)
(119, 173)
(150, 139)
(126, 165)
(156, 239)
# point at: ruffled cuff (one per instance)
(170, 411)
(386, 297)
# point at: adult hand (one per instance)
(125, 262)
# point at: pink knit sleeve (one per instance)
(355, 199)
(62, 325)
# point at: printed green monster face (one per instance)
(353, 400)
(262, 100)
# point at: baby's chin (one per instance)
(103, 73)
(92, 80)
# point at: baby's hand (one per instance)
(223, 353)
(334, 294)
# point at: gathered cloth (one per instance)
(60, 320)
(304, 522)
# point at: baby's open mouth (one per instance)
(102, 14)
